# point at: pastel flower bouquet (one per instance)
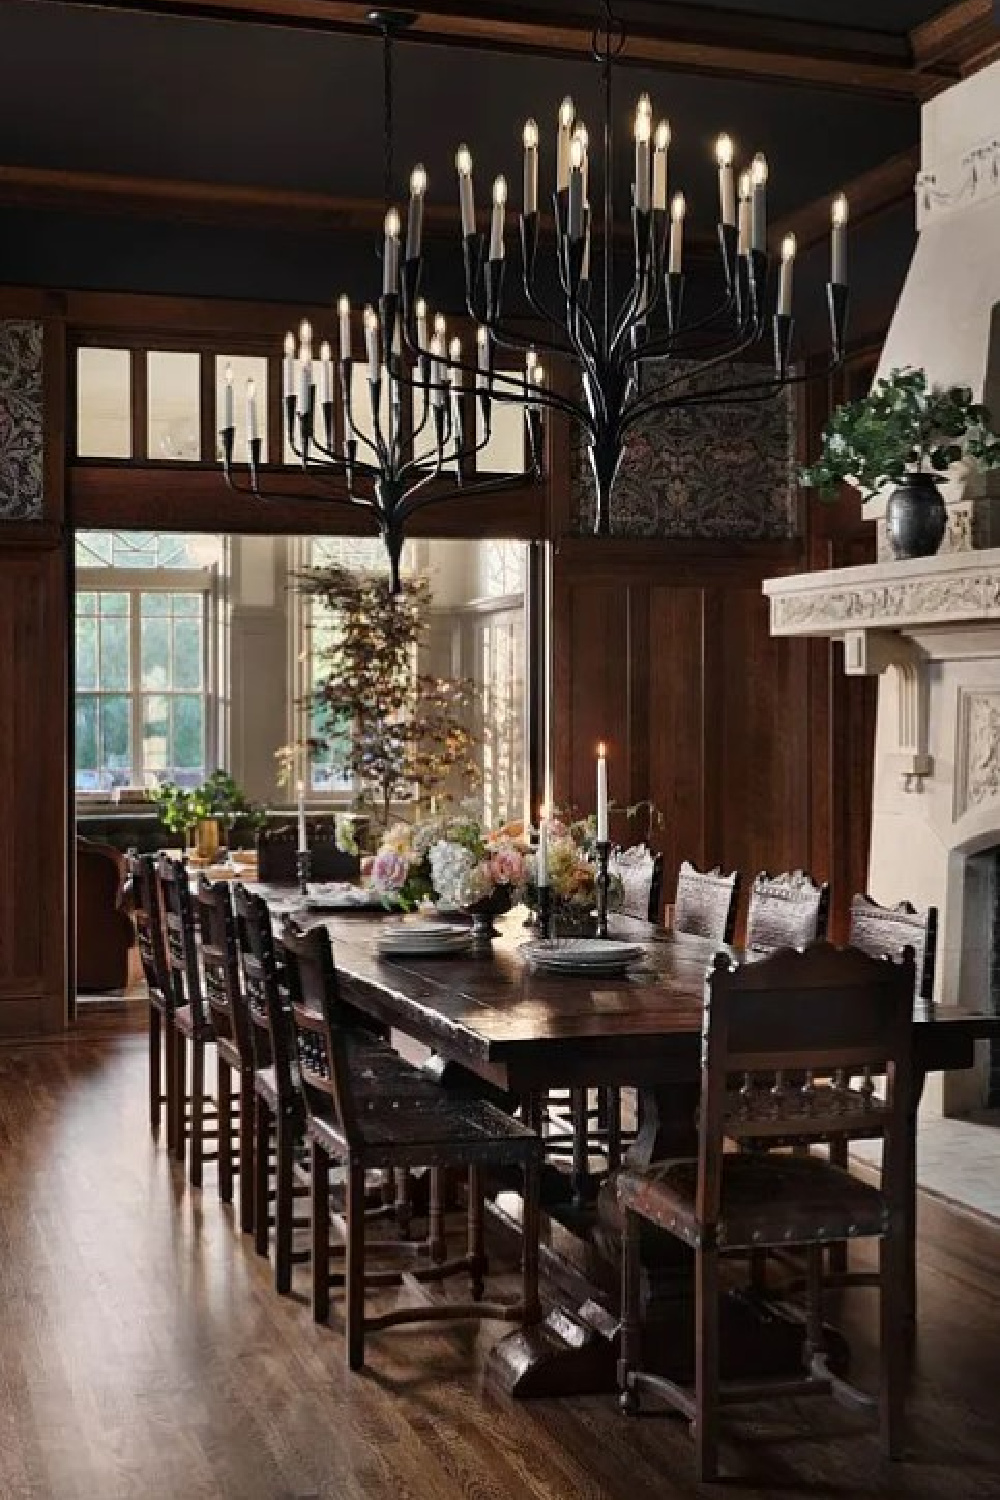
(452, 860)
(572, 869)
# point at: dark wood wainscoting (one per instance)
(33, 873)
(755, 751)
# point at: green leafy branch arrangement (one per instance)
(183, 808)
(904, 426)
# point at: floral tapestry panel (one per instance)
(20, 421)
(716, 470)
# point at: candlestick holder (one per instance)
(544, 911)
(303, 869)
(603, 885)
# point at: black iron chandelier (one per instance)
(417, 443)
(611, 344)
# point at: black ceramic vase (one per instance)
(915, 517)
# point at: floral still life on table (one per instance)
(451, 859)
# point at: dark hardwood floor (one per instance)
(145, 1356)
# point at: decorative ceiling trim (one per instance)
(720, 43)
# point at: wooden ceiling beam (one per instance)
(962, 39)
(871, 193)
(719, 43)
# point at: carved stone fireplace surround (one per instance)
(930, 630)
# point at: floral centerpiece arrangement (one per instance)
(451, 859)
(572, 870)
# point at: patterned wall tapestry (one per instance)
(20, 421)
(709, 471)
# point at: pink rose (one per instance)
(507, 866)
(390, 870)
(367, 863)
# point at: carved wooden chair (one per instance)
(640, 872)
(192, 1022)
(229, 1013)
(705, 902)
(277, 849)
(360, 1123)
(148, 918)
(887, 930)
(786, 911)
(279, 1109)
(783, 1025)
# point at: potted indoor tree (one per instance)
(906, 433)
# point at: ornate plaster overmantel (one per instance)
(901, 615)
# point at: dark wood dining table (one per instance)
(525, 1032)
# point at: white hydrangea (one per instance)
(452, 865)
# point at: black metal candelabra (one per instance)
(544, 914)
(303, 870)
(603, 885)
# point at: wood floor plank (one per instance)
(144, 1355)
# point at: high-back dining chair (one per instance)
(148, 918)
(360, 1125)
(641, 874)
(806, 1032)
(786, 911)
(705, 902)
(192, 1022)
(231, 1023)
(279, 1110)
(888, 930)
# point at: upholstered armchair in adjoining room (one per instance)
(104, 932)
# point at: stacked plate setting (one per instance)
(583, 955)
(427, 938)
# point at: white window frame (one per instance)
(135, 582)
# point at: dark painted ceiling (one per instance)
(91, 89)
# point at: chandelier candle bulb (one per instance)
(581, 134)
(661, 141)
(499, 213)
(455, 356)
(785, 274)
(371, 343)
(415, 216)
(482, 358)
(227, 401)
(678, 208)
(567, 114)
(530, 167)
(575, 214)
(758, 203)
(602, 793)
(744, 225)
(325, 374)
(252, 430)
(466, 199)
(838, 240)
(344, 317)
(288, 366)
(643, 132)
(390, 253)
(305, 374)
(727, 184)
(422, 325)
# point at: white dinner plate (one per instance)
(595, 952)
(398, 947)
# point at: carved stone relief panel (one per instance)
(977, 759)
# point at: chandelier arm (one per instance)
(724, 357)
(353, 428)
(339, 463)
(493, 485)
(673, 349)
(546, 313)
(663, 346)
(545, 396)
(751, 393)
(255, 492)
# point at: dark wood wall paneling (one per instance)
(756, 751)
(35, 893)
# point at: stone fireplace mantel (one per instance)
(929, 629)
